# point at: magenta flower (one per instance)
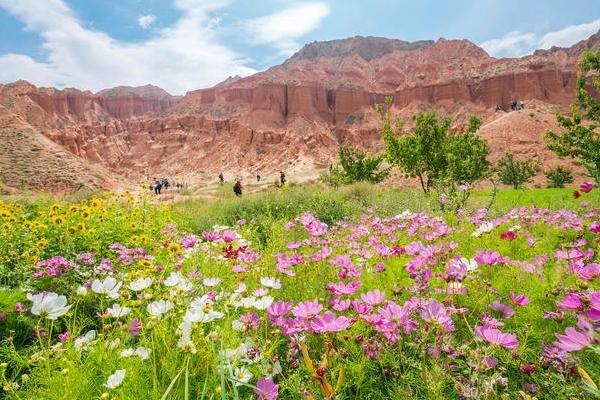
(229, 236)
(373, 297)
(508, 235)
(135, 325)
(519, 299)
(307, 309)
(595, 227)
(188, 241)
(19, 308)
(340, 304)
(266, 389)
(506, 310)
(571, 301)
(329, 323)
(489, 258)
(586, 187)
(572, 340)
(63, 337)
(494, 336)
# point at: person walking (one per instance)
(282, 178)
(257, 176)
(237, 188)
(157, 186)
(221, 178)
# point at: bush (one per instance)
(356, 166)
(516, 173)
(558, 176)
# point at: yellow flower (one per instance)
(174, 248)
(58, 220)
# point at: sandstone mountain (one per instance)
(294, 116)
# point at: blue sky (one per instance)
(183, 45)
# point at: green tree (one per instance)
(580, 135)
(356, 165)
(516, 173)
(433, 153)
(558, 176)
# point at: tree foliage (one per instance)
(356, 165)
(558, 176)
(515, 172)
(433, 153)
(580, 135)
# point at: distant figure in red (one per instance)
(237, 188)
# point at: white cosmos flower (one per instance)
(211, 282)
(109, 287)
(141, 352)
(177, 280)
(82, 291)
(84, 340)
(140, 284)
(470, 263)
(118, 311)
(406, 214)
(240, 375)
(241, 288)
(200, 315)
(115, 380)
(263, 303)
(269, 282)
(49, 305)
(483, 228)
(160, 307)
(237, 325)
(270, 370)
(113, 344)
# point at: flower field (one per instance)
(331, 298)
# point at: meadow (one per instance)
(304, 292)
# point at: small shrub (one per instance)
(516, 173)
(558, 176)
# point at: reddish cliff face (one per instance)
(295, 115)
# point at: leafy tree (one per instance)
(580, 137)
(516, 173)
(558, 176)
(433, 153)
(354, 166)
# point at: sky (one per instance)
(183, 45)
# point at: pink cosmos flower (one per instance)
(572, 340)
(135, 325)
(489, 258)
(595, 227)
(19, 308)
(571, 301)
(278, 309)
(188, 241)
(586, 187)
(307, 309)
(520, 300)
(341, 288)
(494, 336)
(373, 297)
(360, 307)
(506, 310)
(329, 323)
(266, 389)
(229, 236)
(436, 312)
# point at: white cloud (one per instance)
(146, 20)
(282, 28)
(570, 35)
(184, 56)
(515, 43)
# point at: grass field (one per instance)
(302, 293)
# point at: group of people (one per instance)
(238, 187)
(514, 106)
(164, 183)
